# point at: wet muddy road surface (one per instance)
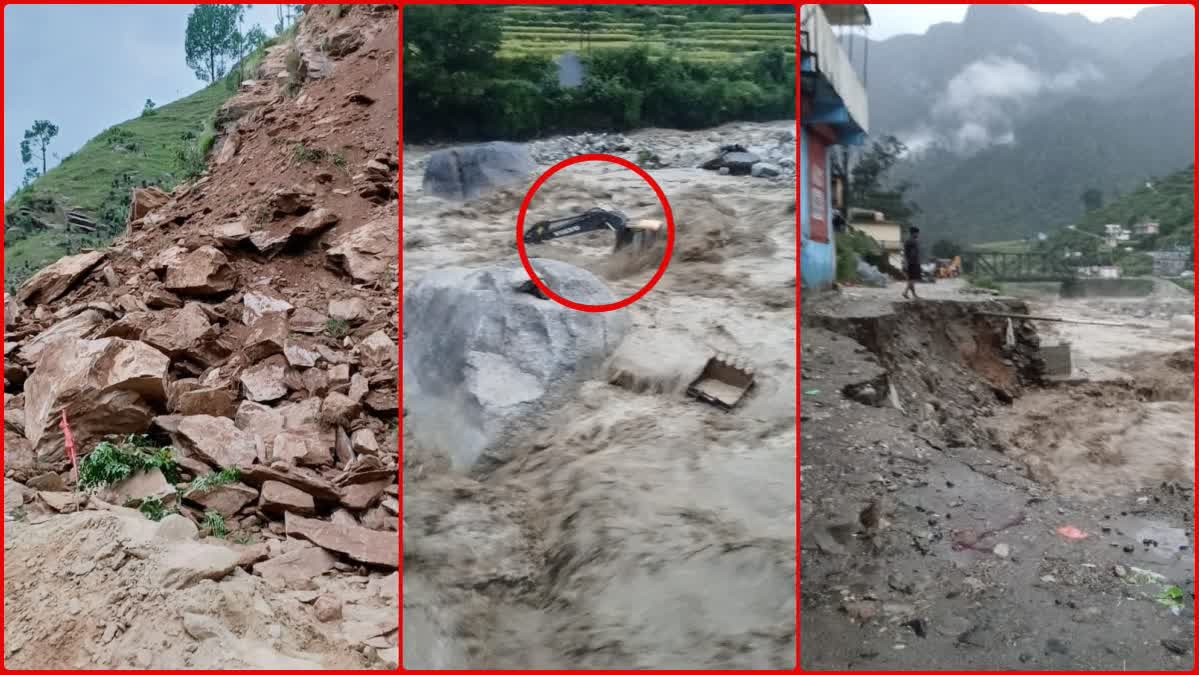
(1063, 539)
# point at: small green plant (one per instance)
(153, 508)
(148, 109)
(302, 153)
(111, 462)
(1171, 596)
(212, 480)
(215, 524)
(243, 538)
(337, 328)
(338, 159)
(188, 160)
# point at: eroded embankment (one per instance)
(948, 362)
(927, 541)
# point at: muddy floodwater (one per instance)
(637, 528)
(1123, 421)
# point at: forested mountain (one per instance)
(1011, 115)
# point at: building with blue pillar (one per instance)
(833, 113)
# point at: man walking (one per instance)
(912, 262)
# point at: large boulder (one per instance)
(483, 357)
(54, 280)
(466, 172)
(106, 386)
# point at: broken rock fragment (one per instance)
(273, 239)
(260, 302)
(377, 350)
(292, 200)
(339, 409)
(179, 331)
(367, 546)
(225, 499)
(366, 252)
(217, 441)
(267, 337)
(266, 381)
(308, 321)
(205, 271)
(84, 325)
(187, 563)
(53, 281)
(296, 569)
(143, 200)
(350, 310)
(279, 497)
(364, 495)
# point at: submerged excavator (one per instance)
(640, 234)
(724, 381)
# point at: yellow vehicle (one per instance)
(948, 269)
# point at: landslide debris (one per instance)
(247, 322)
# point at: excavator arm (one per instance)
(643, 233)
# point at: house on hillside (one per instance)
(833, 112)
(889, 235)
(1146, 229)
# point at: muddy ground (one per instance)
(1050, 529)
(642, 529)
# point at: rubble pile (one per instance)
(247, 320)
(763, 155)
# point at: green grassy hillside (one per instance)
(695, 33)
(97, 178)
(1169, 201)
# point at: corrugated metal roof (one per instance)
(847, 15)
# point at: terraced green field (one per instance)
(550, 31)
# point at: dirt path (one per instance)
(643, 530)
(977, 561)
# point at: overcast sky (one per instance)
(102, 64)
(889, 20)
